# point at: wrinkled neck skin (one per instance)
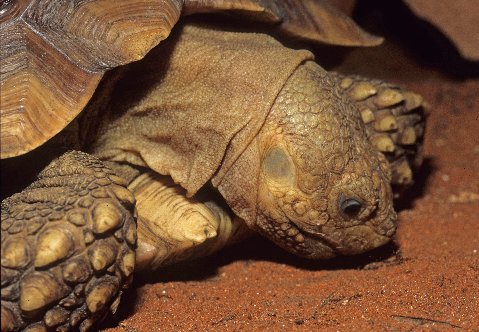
(322, 190)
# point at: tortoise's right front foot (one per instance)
(67, 247)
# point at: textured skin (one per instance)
(172, 227)
(395, 123)
(313, 152)
(67, 246)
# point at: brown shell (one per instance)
(315, 20)
(55, 52)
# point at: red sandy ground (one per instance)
(427, 281)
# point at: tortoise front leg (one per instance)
(67, 246)
(395, 122)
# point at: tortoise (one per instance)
(214, 135)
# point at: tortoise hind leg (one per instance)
(67, 246)
(395, 122)
(172, 227)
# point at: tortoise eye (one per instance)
(350, 207)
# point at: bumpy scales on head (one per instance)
(323, 190)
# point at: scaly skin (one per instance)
(395, 123)
(314, 155)
(67, 246)
(69, 240)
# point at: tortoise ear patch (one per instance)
(278, 166)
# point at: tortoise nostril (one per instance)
(350, 207)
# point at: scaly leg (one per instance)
(68, 240)
(67, 246)
(395, 122)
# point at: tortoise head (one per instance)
(322, 189)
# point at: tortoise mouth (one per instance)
(351, 240)
(321, 238)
